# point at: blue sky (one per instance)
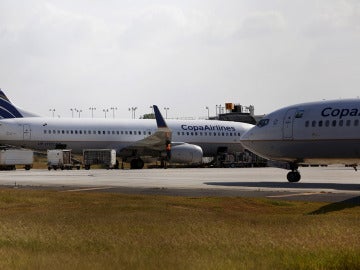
(184, 55)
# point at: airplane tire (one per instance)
(137, 163)
(293, 177)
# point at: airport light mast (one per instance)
(166, 111)
(53, 112)
(92, 109)
(105, 111)
(133, 110)
(113, 111)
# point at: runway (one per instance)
(330, 184)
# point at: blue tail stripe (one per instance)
(5, 114)
(159, 118)
(10, 109)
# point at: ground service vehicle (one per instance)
(9, 158)
(60, 159)
(105, 157)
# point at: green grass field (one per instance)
(57, 230)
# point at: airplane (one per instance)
(179, 141)
(321, 133)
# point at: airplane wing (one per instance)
(153, 144)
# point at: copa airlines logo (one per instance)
(208, 128)
(336, 112)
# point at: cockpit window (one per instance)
(299, 114)
(263, 122)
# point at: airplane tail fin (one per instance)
(162, 126)
(7, 109)
(159, 118)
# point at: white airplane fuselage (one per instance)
(77, 134)
(326, 132)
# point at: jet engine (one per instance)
(186, 153)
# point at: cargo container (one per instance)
(105, 157)
(9, 158)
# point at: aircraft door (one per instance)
(27, 132)
(289, 124)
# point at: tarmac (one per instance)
(328, 184)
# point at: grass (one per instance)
(57, 230)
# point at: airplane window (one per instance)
(196, 134)
(341, 123)
(313, 124)
(149, 132)
(126, 132)
(327, 123)
(104, 132)
(71, 131)
(356, 122)
(214, 133)
(76, 132)
(67, 132)
(192, 133)
(263, 122)
(99, 132)
(117, 132)
(299, 114)
(80, 131)
(54, 131)
(307, 123)
(334, 123)
(45, 131)
(320, 123)
(130, 132)
(201, 134)
(348, 123)
(58, 132)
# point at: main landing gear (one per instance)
(294, 175)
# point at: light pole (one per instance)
(79, 112)
(53, 112)
(92, 109)
(105, 111)
(113, 110)
(207, 108)
(166, 111)
(133, 109)
(72, 112)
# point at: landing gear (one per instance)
(137, 163)
(294, 175)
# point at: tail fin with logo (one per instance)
(7, 109)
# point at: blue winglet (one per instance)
(159, 118)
